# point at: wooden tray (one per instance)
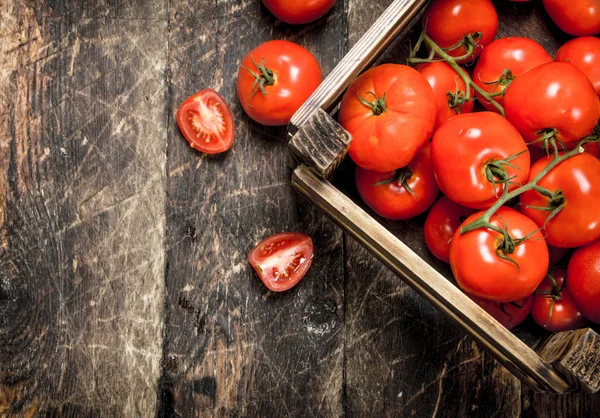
(562, 362)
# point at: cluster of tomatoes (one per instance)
(520, 179)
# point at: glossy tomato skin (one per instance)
(509, 314)
(514, 53)
(460, 150)
(443, 80)
(556, 95)
(578, 223)
(297, 74)
(577, 18)
(206, 122)
(393, 201)
(389, 140)
(583, 281)
(480, 271)
(298, 12)
(583, 53)
(441, 223)
(282, 260)
(447, 22)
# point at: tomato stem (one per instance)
(401, 177)
(266, 77)
(378, 106)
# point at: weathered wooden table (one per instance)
(124, 286)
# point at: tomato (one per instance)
(206, 122)
(401, 194)
(576, 185)
(513, 53)
(583, 281)
(275, 79)
(448, 22)
(583, 53)
(298, 12)
(556, 254)
(553, 96)
(441, 223)
(282, 260)
(466, 152)
(553, 307)
(448, 89)
(484, 263)
(509, 314)
(390, 112)
(577, 18)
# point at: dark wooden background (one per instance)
(124, 286)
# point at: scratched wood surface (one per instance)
(124, 288)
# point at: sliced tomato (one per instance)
(206, 122)
(282, 260)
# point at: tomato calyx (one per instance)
(504, 80)
(400, 177)
(265, 77)
(377, 106)
(496, 173)
(458, 98)
(469, 43)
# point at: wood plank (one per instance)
(233, 348)
(82, 185)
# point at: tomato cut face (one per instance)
(206, 122)
(282, 260)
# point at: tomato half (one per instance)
(298, 12)
(282, 260)
(390, 112)
(470, 150)
(206, 122)
(583, 53)
(275, 79)
(576, 186)
(509, 314)
(583, 280)
(401, 194)
(577, 18)
(514, 54)
(485, 265)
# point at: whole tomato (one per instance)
(390, 112)
(441, 223)
(502, 61)
(583, 53)
(298, 12)
(448, 89)
(575, 185)
(509, 314)
(275, 79)
(496, 266)
(583, 281)
(448, 22)
(555, 96)
(553, 307)
(577, 18)
(473, 153)
(401, 194)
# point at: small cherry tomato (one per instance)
(441, 223)
(577, 18)
(583, 53)
(298, 12)
(206, 122)
(282, 260)
(583, 280)
(509, 314)
(275, 79)
(401, 194)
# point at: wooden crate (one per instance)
(566, 361)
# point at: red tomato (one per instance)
(282, 260)
(401, 194)
(555, 95)
(577, 18)
(390, 112)
(448, 90)
(298, 12)
(275, 79)
(441, 223)
(509, 314)
(576, 182)
(447, 22)
(583, 53)
(513, 53)
(553, 307)
(484, 265)
(466, 151)
(206, 122)
(584, 280)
